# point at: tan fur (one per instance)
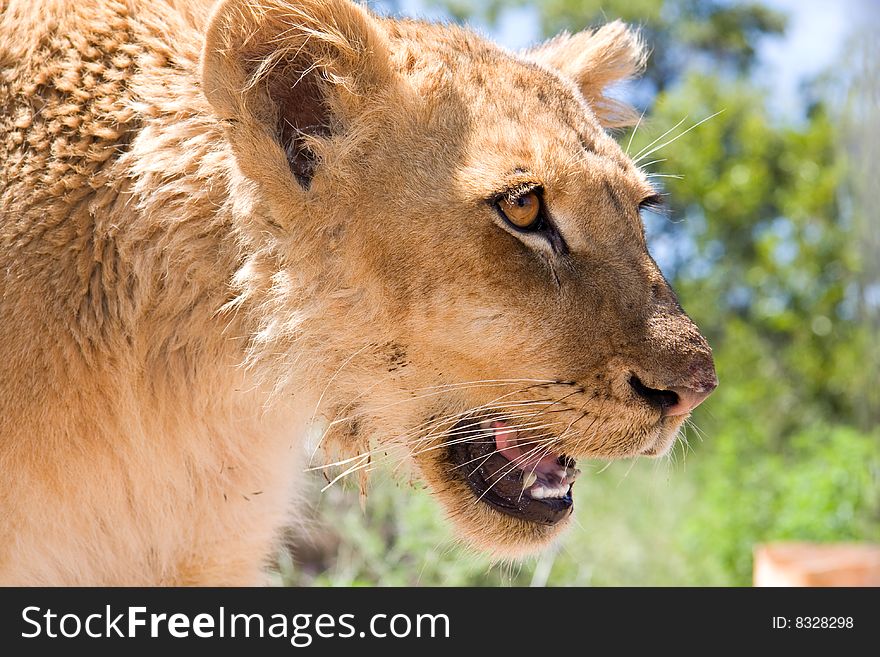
(177, 309)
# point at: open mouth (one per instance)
(516, 475)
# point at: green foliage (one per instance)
(819, 485)
(765, 241)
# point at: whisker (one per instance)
(626, 474)
(458, 441)
(396, 442)
(418, 397)
(489, 412)
(604, 468)
(408, 399)
(477, 383)
(367, 464)
(647, 164)
(679, 136)
(319, 443)
(540, 439)
(448, 423)
(514, 464)
(456, 437)
(638, 156)
(489, 406)
(488, 381)
(559, 439)
(700, 434)
(635, 130)
(365, 458)
(546, 445)
(333, 378)
(450, 430)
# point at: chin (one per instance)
(667, 434)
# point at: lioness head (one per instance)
(444, 245)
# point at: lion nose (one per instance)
(676, 400)
(688, 400)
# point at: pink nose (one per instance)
(688, 400)
(675, 400)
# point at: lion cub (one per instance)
(223, 226)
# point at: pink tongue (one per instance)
(506, 444)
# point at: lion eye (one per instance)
(523, 211)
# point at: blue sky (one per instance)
(816, 34)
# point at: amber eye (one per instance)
(522, 211)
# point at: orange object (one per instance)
(813, 564)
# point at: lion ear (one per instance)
(292, 71)
(595, 60)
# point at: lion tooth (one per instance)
(538, 492)
(529, 479)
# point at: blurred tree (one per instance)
(860, 146)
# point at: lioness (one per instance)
(223, 226)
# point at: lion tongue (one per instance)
(540, 462)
